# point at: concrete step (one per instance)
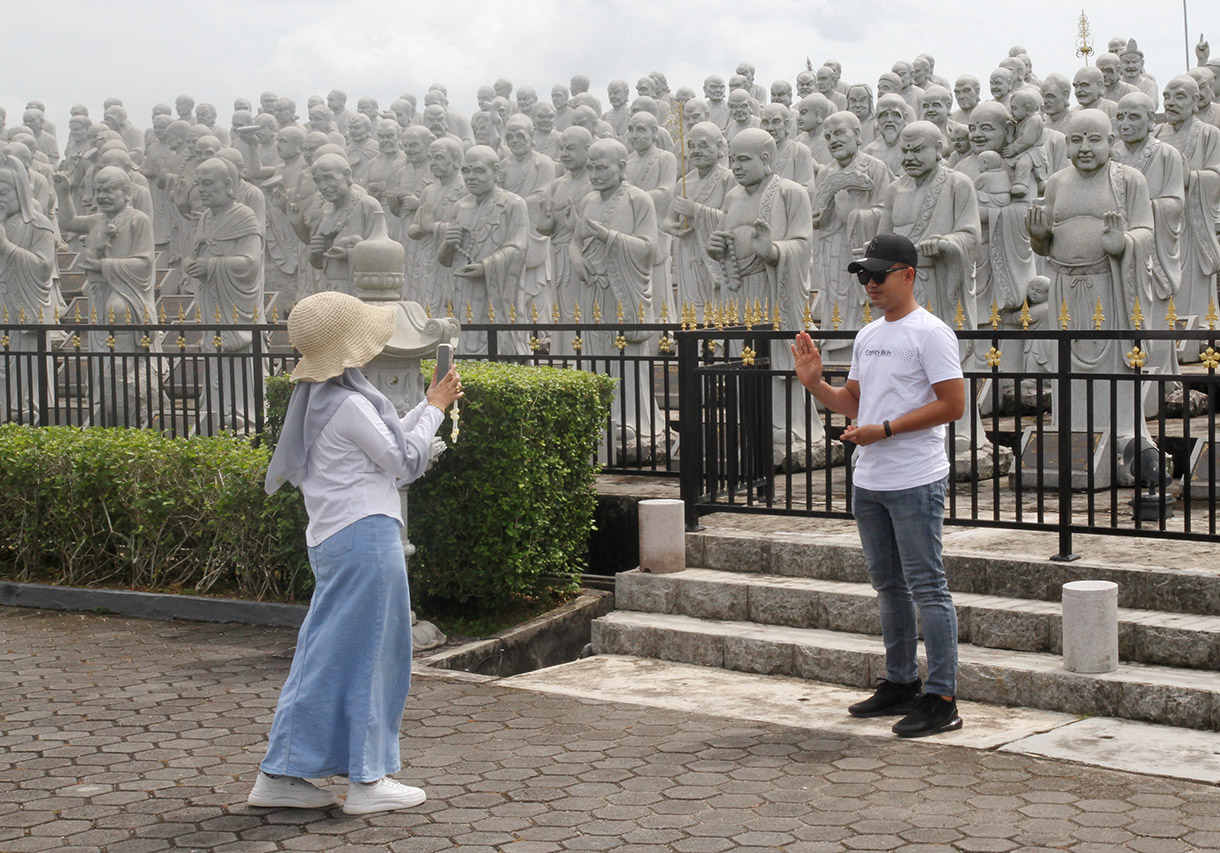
(1175, 697)
(1144, 636)
(1192, 588)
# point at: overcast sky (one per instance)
(145, 51)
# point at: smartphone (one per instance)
(444, 360)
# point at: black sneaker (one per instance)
(931, 715)
(890, 698)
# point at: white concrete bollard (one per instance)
(1090, 626)
(662, 536)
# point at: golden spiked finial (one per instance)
(41, 316)
(749, 319)
(217, 342)
(1137, 316)
(995, 315)
(21, 315)
(776, 319)
(275, 312)
(491, 313)
(181, 317)
(576, 316)
(236, 316)
(77, 313)
(449, 309)
(806, 317)
(254, 315)
(92, 315)
(555, 312)
(512, 313)
(868, 313)
(836, 319)
(708, 314)
(959, 315)
(597, 311)
(198, 313)
(1084, 38)
(639, 314)
(1065, 318)
(428, 311)
(619, 316)
(216, 312)
(928, 306)
(147, 316)
(126, 315)
(1171, 315)
(161, 312)
(533, 311)
(55, 316)
(110, 313)
(469, 313)
(1211, 317)
(1099, 317)
(665, 312)
(1026, 317)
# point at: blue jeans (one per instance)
(900, 532)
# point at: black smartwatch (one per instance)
(889, 433)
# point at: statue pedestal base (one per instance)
(1089, 452)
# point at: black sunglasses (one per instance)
(878, 277)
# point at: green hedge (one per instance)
(133, 508)
(508, 506)
(512, 502)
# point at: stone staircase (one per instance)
(800, 605)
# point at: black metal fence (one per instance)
(1015, 466)
(708, 406)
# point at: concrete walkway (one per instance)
(136, 736)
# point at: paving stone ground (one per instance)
(135, 736)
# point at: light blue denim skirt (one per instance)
(340, 709)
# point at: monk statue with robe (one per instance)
(697, 212)
(1164, 169)
(1095, 228)
(793, 161)
(1199, 145)
(118, 264)
(558, 221)
(764, 250)
(936, 208)
(437, 209)
(349, 215)
(656, 172)
(613, 251)
(485, 244)
(27, 261)
(226, 258)
(528, 174)
(846, 209)
(403, 196)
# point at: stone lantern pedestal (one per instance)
(377, 276)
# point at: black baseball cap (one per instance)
(883, 251)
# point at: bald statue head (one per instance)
(574, 145)
(966, 92)
(705, 146)
(935, 104)
(642, 131)
(111, 190)
(841, 130)
(1181, 99)
(1056, 94)
(332, 175)
(739, 105)
(607, 162)
(752, 156)
(774, 120)
(519, 135)
(1089, 137)
(1135, 118)
(812, 110)
(216, 182)
(695, 110)
(480, 169)
(1088, 85)
(920, 143)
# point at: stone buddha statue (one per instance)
(437, 209)
(893, 115)
(1089, 86)
(740, 116)
(696, 213)
(715, 90)
(349, 215)
(806, 84)
(966, 91)
(655, 171)
(811, 112)
(1056, 101)
(793, 161)
(619, 94)
(825, 80)
(563, 114)
(860, 103)
(558, 221)
(528, 173)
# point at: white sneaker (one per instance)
(288, 792)
(384, 795)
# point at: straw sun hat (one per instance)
(334, 331)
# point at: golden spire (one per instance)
(1065, 318)
(959, 315)
(868, 313)
(491, 313)
(469, 313)
(806, 316)
(836, 319)
(576, 318)
(619, 316)
(1084, 38)
(995, 315)
(1026, 317)
(1099, 317)
(1137, 316)
(665, 312)
(428, 311)
(1211, 317)
(111, 314)
(512, 313)
(1171, 315)
(776, 319)
(533, 311)
(597, 311)
(555, 312)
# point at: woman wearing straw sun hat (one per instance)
(345, 447)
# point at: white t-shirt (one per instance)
(896, 365)
(355, 465)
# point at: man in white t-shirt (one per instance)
(904, 385)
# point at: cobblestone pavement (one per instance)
(134, 736)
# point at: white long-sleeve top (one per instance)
(355, 466)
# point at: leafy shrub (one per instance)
(133, 508)
(511, 502)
